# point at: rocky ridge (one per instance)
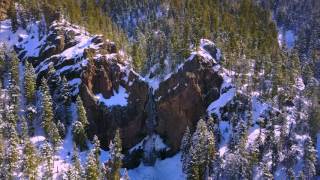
(98, 72)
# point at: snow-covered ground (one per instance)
(167, 169)
(286, 38)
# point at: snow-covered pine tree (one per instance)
(65, 89)
(63, 98)
(24, 129)
(12, 13)
(79, 135)
(14, 69)
(54, 135)
(96, 149)
(48, 124)
(201, 152)
(82, 116)
(47, 114)
(92, 167)
(12, 154)
(30, 83)
(115, 156)
(31, 160)
(77, 167)
(47, 156)
(185, 147)
(310, 159)
(61, 129)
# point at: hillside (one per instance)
(98, 90)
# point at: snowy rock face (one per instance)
(113, 94)
(184, 98)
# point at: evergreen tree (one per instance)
(96, 148)
(92, 167)
(14, 65)
(201, 152)
(12, 13)
(24, 130)
(47, 114)
(48, 124)
(185, 147)
(116, 157)
(47, 155)
(61, 129)
(12, 154)
(30, 82)
(54, 135)
(82, 116)
(77, 167)
(79, 135)
(310, 159)
(31, 161)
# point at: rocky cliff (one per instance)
(114, 95)
(184, 98)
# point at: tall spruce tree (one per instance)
(77, 167)
(48, 123)
(115, 157)
(47, 155)
(92, 167)
(310, 159)
(30, 83)
(82, 115)
(31, 161)
(79, 135)
(201, 152)
(12, 154)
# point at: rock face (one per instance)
(106, 77)
(184, 98)
(95, 69)
(92, 65)
(4, 6)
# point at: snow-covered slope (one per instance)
(69, 58)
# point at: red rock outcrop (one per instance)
(184, 97)
(105, 76)
(180, 100)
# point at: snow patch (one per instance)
(170, 168)
(119, 98)
(158, 142)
